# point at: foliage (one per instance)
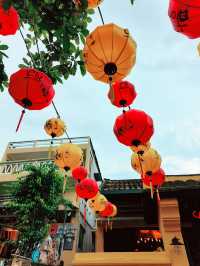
(58, 28)
(3, 75)
(36, 199)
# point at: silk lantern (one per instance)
(90, 3)
(87, 188)
(154, 181)
(79, 173)
(141, 149)
(98, 203)
(157, 179)
(55, 127)
(146, 164)
(108, 211)
(114, 213)
(133, 128)
(32, 89)
(68, 156)
(9, 21)
(122, 93)
(109, 53)
(185, 17)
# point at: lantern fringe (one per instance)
(85, 214)
(20, 119)
(50, 150)
(158, 196)
(151, 188)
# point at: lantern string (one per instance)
(58, 115)
(101, 15)
(37, 45)
(141, 169)
(28, 50)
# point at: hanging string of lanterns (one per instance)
(109, 55)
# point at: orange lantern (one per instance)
(55, 127)
(68, 156)
(90, 3)
(98, 203)
(146, 164)
(109, 53)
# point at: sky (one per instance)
(167, 80)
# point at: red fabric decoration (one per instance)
(108, 211)
(133, 128)
(9, 21)
(79, 173)
(196, 214)
(87, 188)
(122, 93)
(185, 17)
(157, 179)
(31, 89)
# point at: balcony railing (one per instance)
(47, 142)
(13, 167)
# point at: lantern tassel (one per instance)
(20, 120)
(151, 187)
(85, 214)
(158, 195)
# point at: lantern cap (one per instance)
(136, 142)
(110, 69)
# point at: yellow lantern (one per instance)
(54, 127)
(141, 148)
(146, 164)
(98, 203)
(68, 156)
(109, 53)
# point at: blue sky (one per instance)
(167, 80)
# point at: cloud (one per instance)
(181, 165)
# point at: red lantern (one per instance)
(31, 89)
(108, 211)
(196, 214)
(87, 188)
(133, 128)
(122, 93)
(185, 17)
(79, 173)
(157, 179)
(9, 21)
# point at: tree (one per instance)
(36, 199)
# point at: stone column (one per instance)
(169, 219)
(99, 238)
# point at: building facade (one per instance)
(145, 232)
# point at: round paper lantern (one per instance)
(157, 179)
(79, 173)
(87, 188)
(31, 88)
(141, 149)
(133, 128)
(114, 211)
(98, 203)
(109, 53)
(185, 17)
(108, 211)
(122, 93)
(54, 127)
(9, 21)
(146, 164)
(68, 156)
(90, 3)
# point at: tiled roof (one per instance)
(135, 185)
